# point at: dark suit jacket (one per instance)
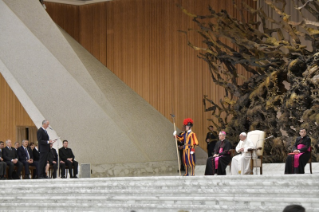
(8, 155)
(43, 138)
(65, 153)
(22, 156)
(53, 156)
(36, 155)
(1, 155)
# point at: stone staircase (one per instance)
(177, 194)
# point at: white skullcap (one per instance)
(244, 134)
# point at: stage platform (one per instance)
(253, 193)
(269, 169)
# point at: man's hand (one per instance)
(1, 159)
(69, 159)
(296, 151)
(54, 162)
(15, 161)
(241, 149)
(207, 140)
(30, 161)
(215, 155)
(61, 161)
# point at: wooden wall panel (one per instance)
(12, 113)
(138, 40)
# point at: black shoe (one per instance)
(26, 177)
(63, 177)
(75, 177)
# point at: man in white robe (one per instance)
(240, 163)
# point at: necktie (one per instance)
(27, 153)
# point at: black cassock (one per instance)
(211, 145)
(223, 160)
(303, 159)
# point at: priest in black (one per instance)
(211, 140)
(10, 156)
(44, 148)
(297, 160)
(53, 160)
(67, 157)
(217, 163)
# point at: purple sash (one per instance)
(217, 158)
(296, 156)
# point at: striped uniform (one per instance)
(190, 141)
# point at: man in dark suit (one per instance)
(53, 160)
(67, 157)
(3, 165)
(44, 148)
(10, 156)
(25, 156)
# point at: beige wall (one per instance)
(138, 40)
(12, 114)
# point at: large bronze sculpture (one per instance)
(282, 94)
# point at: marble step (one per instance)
(140, 207)
(175, 200)
(171, 181)
(185, 192)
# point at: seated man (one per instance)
(67, 157)
(3, 165)
(35, 151)
(16, 145)
(240, 164)
(53, 160)
(10, 156)
(297, 160)
(218, 162)
(25, 156)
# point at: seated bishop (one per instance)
(217, 163)
(301, 152)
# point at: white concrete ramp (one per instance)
(107, 124)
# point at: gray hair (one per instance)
(7, 141)
(24, 141)
(44, 121)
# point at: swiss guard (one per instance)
(189, 139)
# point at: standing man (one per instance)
(297, 160)
(3, 165)
(25, 156)
(10, 156)
(67, 158)
(189, 140)
(211, 139)
(44, 148)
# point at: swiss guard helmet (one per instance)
(188, 122)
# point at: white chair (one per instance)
(258, 138)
